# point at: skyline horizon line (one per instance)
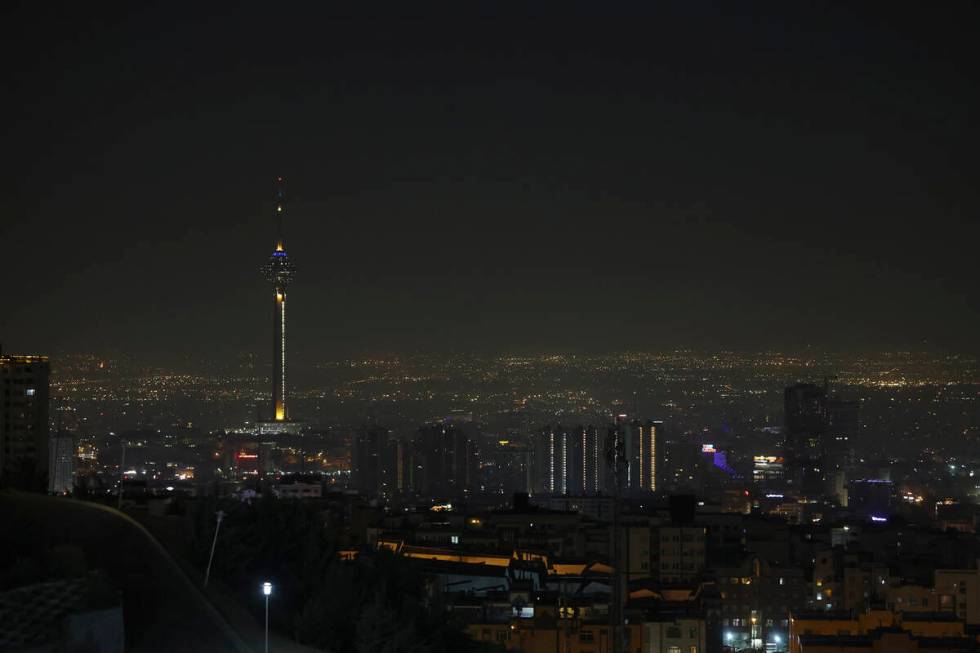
(528, 351)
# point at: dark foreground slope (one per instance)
(162, 609)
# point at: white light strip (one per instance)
(653, 458)
(641, 456)
(595, 460)
(564, 463)
(551, 462)
(282, 388)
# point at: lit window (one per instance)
(454, 539)
(29, 392)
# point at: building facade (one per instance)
(441, 460)
(681, 552)
(958, 591)
(24, 421)
(373, 461)
(61, 463)
(820, 433)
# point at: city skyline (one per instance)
(619, 328)
(758, 505)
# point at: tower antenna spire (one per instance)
(280, 213)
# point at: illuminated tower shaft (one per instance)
(279, 271)
(279, 357)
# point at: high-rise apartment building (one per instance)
(551, 460)
(24, 421)
(840, 434)
(61, 463)
(373, 461)
(587, 461)
(441, 461)
(820, 431)
(640, 442)
(578, 461)
(648, 454)
(507, 465)
(568, 460)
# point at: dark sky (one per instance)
(707, 175)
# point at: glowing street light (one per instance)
(267, 590)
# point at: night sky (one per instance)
(730, 175)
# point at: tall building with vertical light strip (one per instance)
(550, 449)
(590, 459)
(567, 461)
(648, 441)
(279, 272)
(641, 443)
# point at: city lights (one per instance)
(616, 329)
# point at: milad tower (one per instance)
(279, 272)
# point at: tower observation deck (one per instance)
(279, 272)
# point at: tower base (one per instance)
(285, 426)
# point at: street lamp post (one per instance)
(207, 574)
(122, 473)
(267, 590)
